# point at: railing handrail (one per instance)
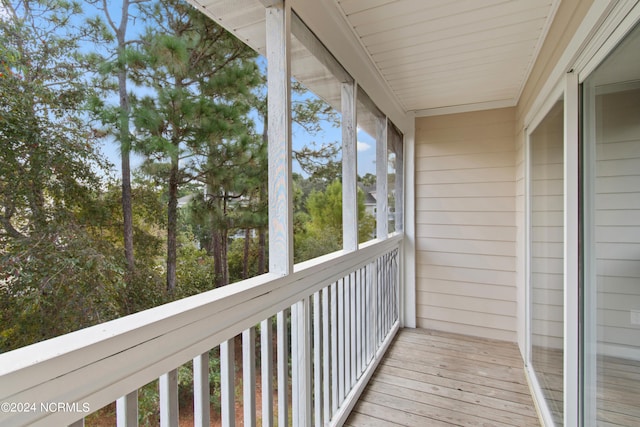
(98, 364)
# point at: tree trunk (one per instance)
(262, 245)
(217, 261)
(125, 143)
(245, 260)
(172, 226)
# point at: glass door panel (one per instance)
(546, 280)
(611, 285)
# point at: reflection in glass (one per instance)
(371, 128)
(612, 238)
(395, 168)
(546, 272)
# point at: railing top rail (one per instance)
(103, 362)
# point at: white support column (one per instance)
(408, 251)
(349, 168)
(127, 410)
(382, 222)
(278, 44)
(201, 415)
(278, 27)
(227, 383)
(571, 251)
(169, 399)
(249, 376)
(266, 364)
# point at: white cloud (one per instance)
(363, 146)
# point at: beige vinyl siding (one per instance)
(617, 220)
(465, 223)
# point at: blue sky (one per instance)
(328, 134)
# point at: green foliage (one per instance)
(195, 270)
(56, 281)
(321, 231)
(190, 91)
(149, 397)
(149, 405)
(194, 121)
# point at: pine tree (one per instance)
(114, 78)
(198, 74)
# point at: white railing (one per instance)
(340, 312)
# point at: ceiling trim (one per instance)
(541, 39)
(466, 108)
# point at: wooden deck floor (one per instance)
(430, 378)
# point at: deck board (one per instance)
(440, 379)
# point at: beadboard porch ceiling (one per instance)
(431, 54)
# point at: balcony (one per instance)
(334, 317)
(469, 87)
(336, 320)
(438, 379)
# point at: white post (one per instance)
(283, 369)
(382, 157)
(326, 354)
(341, 359)
(349, 168)
(278, 27)
(301, 363)
(346, 360)
(359, 323)
(335, 363)
(227, 383)
(266, 364)
(127, 410)
(408, 259)
(317, 359)
(169, 399)
(354, 328)
(571, 247)
(278, 44)
(201, 416)
(249, 376)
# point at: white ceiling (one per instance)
(433, 54)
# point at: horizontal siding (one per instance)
(463, 204)
(617, 218)
(547, 239)
(465, 223)
(466, 274)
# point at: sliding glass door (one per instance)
(611, 238)
(546, 216)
